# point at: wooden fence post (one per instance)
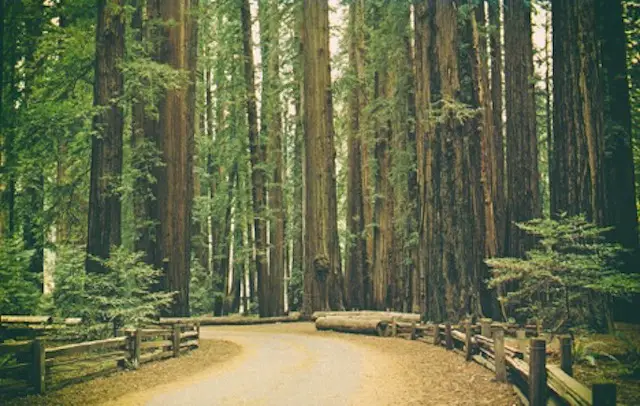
(176, 340)
(38, 366)
(485, 327)
(137, 344)
(436, 334)
(128, 345)
(498, 343)
(537, 373)
(394, 327)
(448, 339)
(604, 394)
(198, 329)
(413, 330)
(521, 336)
(467, 343)
(566, 358)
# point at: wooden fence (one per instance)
(536, 382)
(31, 367)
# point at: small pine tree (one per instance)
(568, 279)
(122, 296)
(19, 291)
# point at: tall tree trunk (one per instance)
(522, 143)
(393, 154)
(356, 255)
(487, 148)
(140, 141)
(221, 247)
(33, 182)
(425, 140)
(383, 234)
(258, 158)
(410, 244)
(367, 143)
(475, 163)
(452, 290)
(174, 138)
(621, 204)
(497, 178)
(11, 10)
(106, 151)
(297, 177)
(577, 181)
(322, 271)
(272, 122)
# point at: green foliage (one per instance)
(295, 289)
(588, 352)
(123, 296)
(568, 279)
(200, 297)
(19, 292)
(632, 26)
(629, 355)
(70, 281)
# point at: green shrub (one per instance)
(123, 296)
(19, 288)
(200, 290)
(568, 279)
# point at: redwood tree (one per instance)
(174, 137)
(356, 250)
(108, 124)
(522, 143)
(322, 270)
(621, 203)
(258, 160)
(271, 123)
(577, 177)
(446, 154)
(498, 177)
(425, 137)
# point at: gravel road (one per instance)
(292, 364)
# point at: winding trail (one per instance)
(292, 364)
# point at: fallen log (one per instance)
(386, 316)
(229, 320)
(6, 318)
(353, 325)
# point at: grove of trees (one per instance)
(273, 155)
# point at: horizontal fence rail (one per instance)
(30, 366)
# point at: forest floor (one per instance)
(105, 390)
(293, 364)
(611, 358)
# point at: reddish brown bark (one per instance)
(356, 249)
(322, 273)
(577, 177)
(522, 142)
(106, 147)
(174, 137)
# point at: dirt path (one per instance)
(292, 364)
